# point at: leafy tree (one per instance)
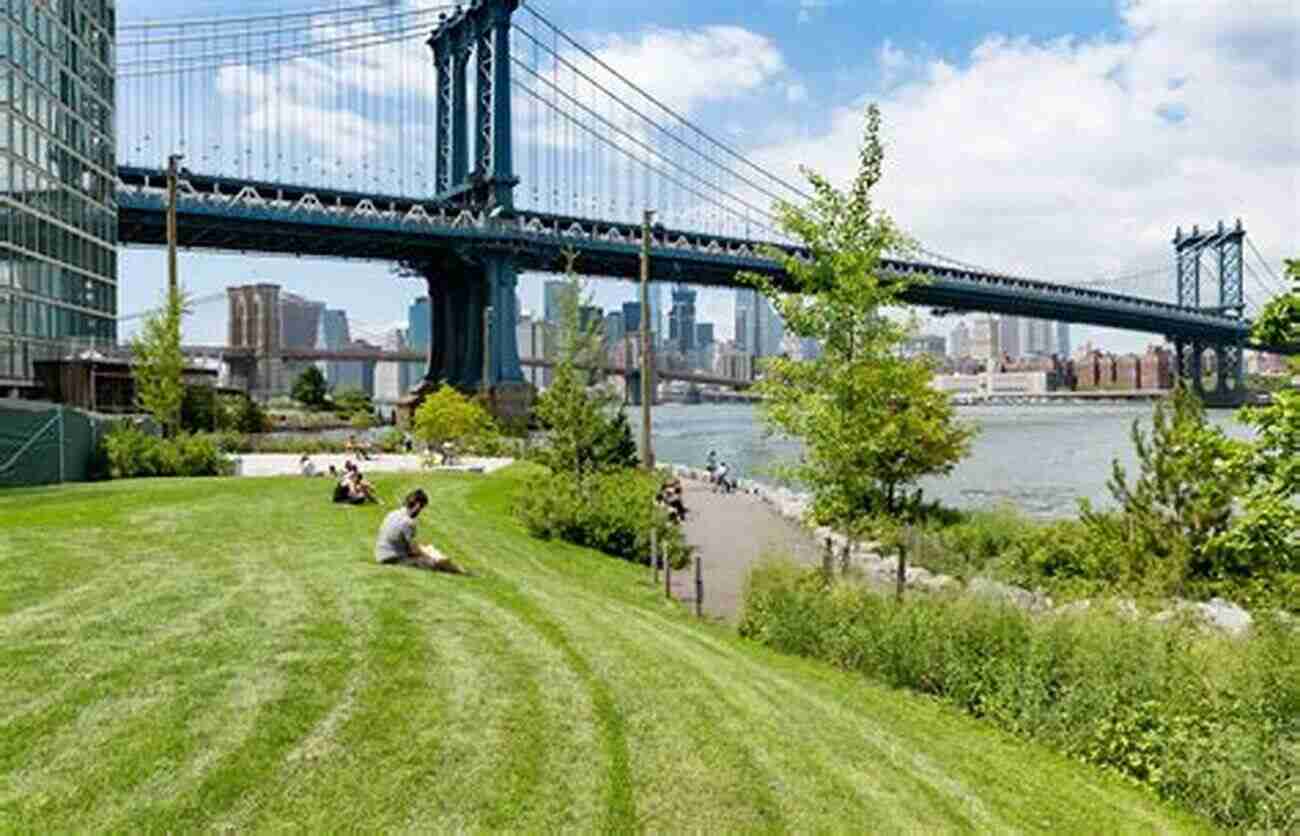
(870, 423)
(200, 409)
(1279, 322)
(447, 415)
(587, 432)
(310, 388)
(247, 416)
(1181, 500)
(159, 365)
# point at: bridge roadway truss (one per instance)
(470, 257)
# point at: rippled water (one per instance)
(1042, 459)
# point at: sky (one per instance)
(1062, 140)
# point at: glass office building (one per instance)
(58, 219)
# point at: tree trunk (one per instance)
(902, 570)
(846, 556)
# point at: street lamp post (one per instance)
(647, 362)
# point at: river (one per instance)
(1041, 459)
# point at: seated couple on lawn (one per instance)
(396, 544)
(352, 488)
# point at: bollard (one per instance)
(828, 561)
(668, 577)
(699, 588)
(654, 556)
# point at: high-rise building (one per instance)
(959, 342)
(656, 312)
(809, 348)
(1038, 339)
(419, 331)
(58, 224)
(530, 335)
(1063, 339)
(985, 342)
(704, 346)
(681, 320)
(924, 344)
(758, 328)
(613, 327)
(1009, 336)
(631, 317)
(553, 300)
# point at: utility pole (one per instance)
(647, 362)
(173, 162)
(487, 349)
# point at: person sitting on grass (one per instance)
(360, 491)
(396, 545)
(307, 467)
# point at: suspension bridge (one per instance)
(476, 142)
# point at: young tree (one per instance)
(159, 364)
(447, 415)
(586, 430)
(870, 424)
(310, 388)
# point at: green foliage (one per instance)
(447, 415)
(870, 423)
(200, 409)
(393, 441)
(1279, 322)
(158, 365)
(1181, 500)
(361, 421)
(133, 454)
(587, 432)
(245, 415)
(310, 388)
(1207, 721)
(349, 400)
(611, 512)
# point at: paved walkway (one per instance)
(732, 532)
(275, 464)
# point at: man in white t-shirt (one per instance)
(396, 545)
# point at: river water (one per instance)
(1041, 459)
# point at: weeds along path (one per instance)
(191, 654)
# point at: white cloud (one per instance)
(1068, 159)
(796, 93)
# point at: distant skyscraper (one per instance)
(681, 324)
(1063, 339)
(631, 317)
(553, 300)
(809, 348)
(1009, 336)
(959, 341)
(984, 339)
(613, 327)
(334, 334)
(299, 321)
(657, 312)
(418, 333)
(758, 328)
(1038, 340)
(704, 346)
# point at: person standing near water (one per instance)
(711, 464)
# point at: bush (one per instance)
(133, 454)
(610, 512)
(392, 441)
(1205, 720)
(446, 415)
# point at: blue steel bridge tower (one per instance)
(462, 280)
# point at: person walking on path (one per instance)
(396, 544)
(711, 464)
(721, 481)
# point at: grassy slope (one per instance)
(225, 654)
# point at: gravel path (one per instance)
(731, 532)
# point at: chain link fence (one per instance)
(46, 443)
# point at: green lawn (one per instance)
(224, 654)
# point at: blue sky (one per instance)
(1062, 139)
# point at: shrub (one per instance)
(610, 512)
(392, 441)
(133, 454)
(1209, 721)
(447, 415)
